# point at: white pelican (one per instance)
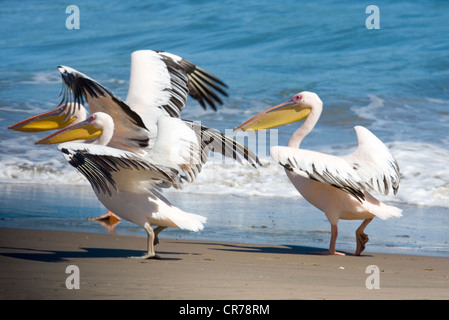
(158, 88)
(146, 127)
(338, 186)
(124, 182)
(159, 85)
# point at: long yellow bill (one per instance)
(284, 113)
(81, 131)
(51, 120)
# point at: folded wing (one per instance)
(370, 168)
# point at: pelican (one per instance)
(159, 81)
(158, 88)
(128, 184)
(147, 127)
(338, 186)
(124, 182)
(159, 85)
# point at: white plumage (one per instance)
(146, 126)
(128, 185)
(338, 186)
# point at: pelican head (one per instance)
(293, 110)
(90, 130)
(58, 118)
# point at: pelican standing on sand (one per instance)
(136, 147)
(338, 186)
(159, 85)
(124, 182)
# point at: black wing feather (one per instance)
(99, 169)
(199, 83)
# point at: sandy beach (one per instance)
(33, 266)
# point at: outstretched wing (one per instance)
(158, 80)
(109, 168)
(130, 132)
(202, 85)
(163, 80)
(213, 140)
(373, 161)
(186, 146)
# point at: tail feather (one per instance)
(172, 216)
(385, 212)
(188, 221)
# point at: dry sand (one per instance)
(33, 266)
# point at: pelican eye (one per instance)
(297, 98)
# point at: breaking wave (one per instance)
(425, 178)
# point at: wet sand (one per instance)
(33, 266)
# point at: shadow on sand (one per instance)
(279, 249)
(61, 256)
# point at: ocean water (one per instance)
(393, 80)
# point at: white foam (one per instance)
(17, 170)
(242, 180)
(425, 178)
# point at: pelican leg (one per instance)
(108, 220)
(150, 244)
(156, 233)
(332, 251)
(108, 216)
(334, 235)
(361, 237)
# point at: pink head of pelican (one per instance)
(338, 186)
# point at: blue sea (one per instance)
(393, 79)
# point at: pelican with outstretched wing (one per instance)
(338, 186)
(158, 79)
(158, 89)
(129, 184)
(144, 126)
